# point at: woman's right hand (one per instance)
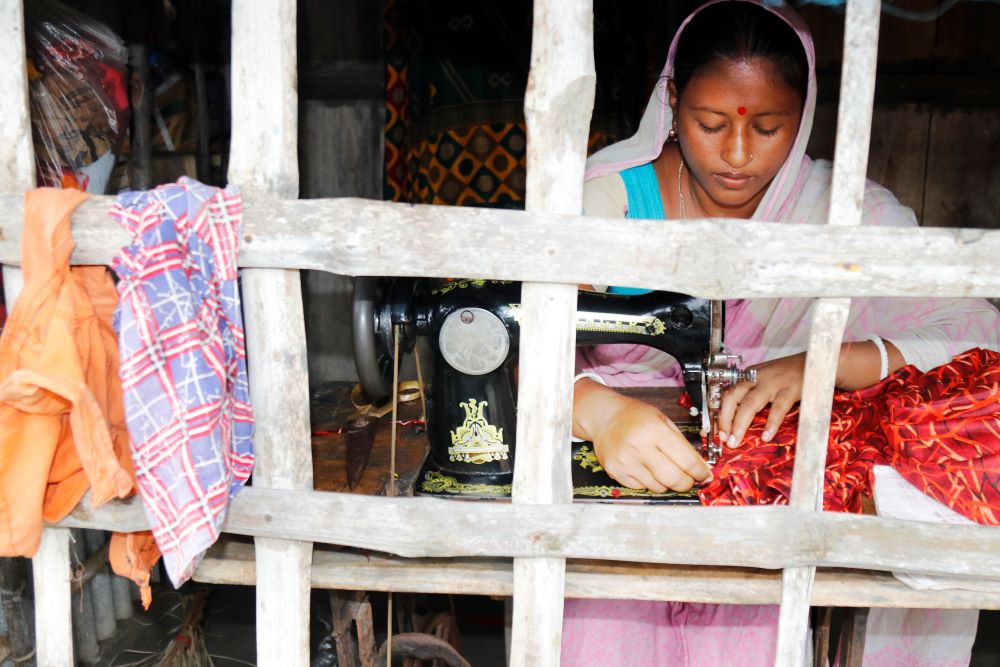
(634, 442)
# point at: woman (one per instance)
(724, 135)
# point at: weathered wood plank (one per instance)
(558, 103)
(826, 333)
(541, 471)
(232, 562)
(17, 155)
(766, 537)
(264, 163)
(829, 316)
(362, 237)
(279, 385)
(263, 157)
(52, 570)
(17, 173)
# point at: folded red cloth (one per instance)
(940, 430)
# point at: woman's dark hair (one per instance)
(740, 31)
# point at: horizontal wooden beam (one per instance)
(764, 537)
(232, 562)
(708, 258)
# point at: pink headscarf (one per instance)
(647, 143)
(928, 332)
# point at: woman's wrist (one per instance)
(594, 405)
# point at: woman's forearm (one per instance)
(860, 364)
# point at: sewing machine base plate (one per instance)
(590, 484)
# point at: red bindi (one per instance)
(741, 111)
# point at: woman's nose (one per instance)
(736, 151)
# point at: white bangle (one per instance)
(883, 356)
(596, 378)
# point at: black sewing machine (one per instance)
(473, 329)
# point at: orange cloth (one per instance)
(62, 423)
(132, 556)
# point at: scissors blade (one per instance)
(360, 440)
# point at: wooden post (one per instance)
(264, 163)
(857, 93)
(558, 105)
(52, 599)
(17, 173)
(17, 155)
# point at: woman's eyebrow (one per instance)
(715, 111)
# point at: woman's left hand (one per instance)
(779, 384)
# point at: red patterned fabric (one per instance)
(940, 430)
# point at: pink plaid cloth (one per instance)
(183, 362)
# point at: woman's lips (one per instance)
(732, 180)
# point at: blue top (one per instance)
(644, 203)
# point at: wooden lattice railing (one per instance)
(677, 553)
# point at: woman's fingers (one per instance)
(780, 406)
(752, 403)
(684, 456)
(630, 482)
(730, 401)
(638, 477)
(669, 465)
(641, 448)
(668, 475)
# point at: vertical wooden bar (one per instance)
(51, 565)
(17, 155)
(84, 627)
(857, 94)
(852, 637)
(54, 646)
(558, 105)
(264, 163)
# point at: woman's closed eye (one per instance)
(766, 132)
(710, 129)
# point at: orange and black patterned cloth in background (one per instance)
(940, 430)
(456, 72)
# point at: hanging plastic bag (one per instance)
(77, 88)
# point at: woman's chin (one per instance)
(733, 203)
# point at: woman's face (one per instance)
(736, 123)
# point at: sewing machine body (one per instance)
(474, 332)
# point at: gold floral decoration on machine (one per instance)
(476, 440)
(435, 482)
